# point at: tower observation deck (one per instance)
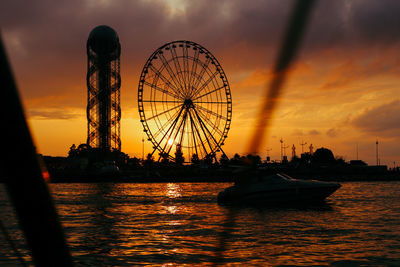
(103, 83)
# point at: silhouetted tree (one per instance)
(83, 150)
(149, 161)
(195, 159)
(305, 158)
(236, 160)
(134, 162)
(253, 160)
(340, 160)
(164, 157)
(295, 159)
(208, 159)
(323, 156)
(179, 159)
(72, 151)
(223, 160)
(120, 158)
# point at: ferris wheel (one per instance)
(184, 101)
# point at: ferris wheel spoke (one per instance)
(191, 142)
(193, 70)
(170, 120)
(210, 92)
(178, 68)
(194, 131)
(198, 133)
(205, 131)
(171, 126)
(164, 112)
(185, 59)
(205, 84)
(171, 74)
(209, 122)
(181, 124)
(211, 102)
(162, 90)
(211, 112)
(177, 131)
(162, 101)
(183, 128)
(215, 141)
(166, 81)
(204, 67)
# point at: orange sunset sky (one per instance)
(343, 90)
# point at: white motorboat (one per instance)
(276, 189)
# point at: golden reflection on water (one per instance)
(177, 224)
(171, 209)
(173, 190)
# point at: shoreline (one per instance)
(220, 179)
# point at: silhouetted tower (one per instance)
(284, 152)
(302, 146)
(103, 82)
(268, 157)
(293, 151)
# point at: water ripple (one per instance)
(181, 224)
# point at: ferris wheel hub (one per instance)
(188, 103)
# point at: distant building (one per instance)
(357, 163)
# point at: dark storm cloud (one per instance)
(353, 24)
(377, 20)
(328, 25)
(43, 24)
(381, 120)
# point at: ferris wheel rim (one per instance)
(180, 97)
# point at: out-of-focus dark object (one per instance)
(24, 181)
(286, 56)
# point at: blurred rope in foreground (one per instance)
(286, 55)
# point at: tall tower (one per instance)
(103, 83)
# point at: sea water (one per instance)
(177, 224)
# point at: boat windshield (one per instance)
(285, 176)
(277, 178)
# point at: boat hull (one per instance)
(288, 192)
